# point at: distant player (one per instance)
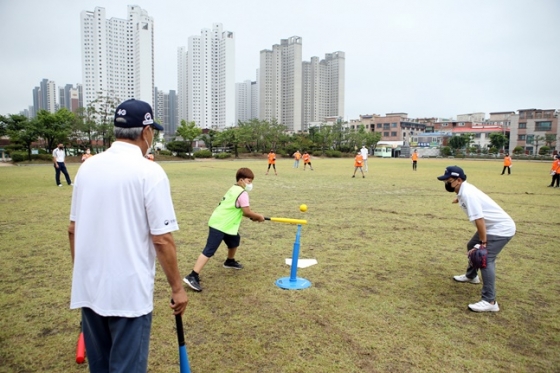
(271, 162)
(414, 160)
(297, 157)
(358, 163)
(307, 161)
(365, 152)
(507, 164)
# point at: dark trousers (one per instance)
(504, 170)
(116, 344)
(61, 168)
(414, 165)
(556, 178)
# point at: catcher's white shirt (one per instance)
(476, 204)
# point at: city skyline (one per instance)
(430, 59)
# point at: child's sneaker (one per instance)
(233, 264)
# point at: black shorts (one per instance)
(215, 238)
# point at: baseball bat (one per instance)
(183, 357)
(287, 220)
(81, 349)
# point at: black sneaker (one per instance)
(233, 264)
(192, 282)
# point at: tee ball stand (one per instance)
(293, 282)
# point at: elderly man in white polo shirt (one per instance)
(494, 229)
(121, 220)
(365, 152)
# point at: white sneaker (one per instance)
(484, 306)
(464, 278)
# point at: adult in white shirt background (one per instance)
(121, 220)
(58, 159)
(364, 152)
(494, 229)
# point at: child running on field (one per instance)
(224, 226)
(307, 161)
(358, 163)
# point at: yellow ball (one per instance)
(303, 208)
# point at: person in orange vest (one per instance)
(507, 164)
(555, 172)
(272, 162)
(297, 156)
(414, 157)
(86, 155)
(307, 161)
(358, 163)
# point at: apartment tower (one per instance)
(280, 83)
(206, 79)
(117, 55)
(323, 88)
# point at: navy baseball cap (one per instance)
(135, 113)
(453, 171)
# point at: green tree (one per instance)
(550, 139)
(457, 142)
(498, 140)
(209, 138)
(54, 128)
(103, 111)
(22, 131)
(3, 126)
(536, 140)
(188, 132)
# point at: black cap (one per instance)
(135, 113)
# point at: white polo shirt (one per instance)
(478, 205)
(119, 199)
(59, 154)
(364, 153)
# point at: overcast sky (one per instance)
(427, 58)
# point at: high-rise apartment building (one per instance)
(44, 97)
(280, 83)
(69, 97)
(246, 98)
(117, 55)
(323, 88)
(166, 112)
(206, 79)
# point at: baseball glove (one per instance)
(478, 257)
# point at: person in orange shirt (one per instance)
(271, 162)
(414, 157)
(358, 163)
(555, 172)
(86, 155)
(297, 156)
(507, 164)
(307, 161)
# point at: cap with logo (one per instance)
(453, 171)
(135, 113)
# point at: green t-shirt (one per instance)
(227, 217)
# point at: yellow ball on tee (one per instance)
(303, 208)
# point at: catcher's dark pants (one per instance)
(508, 170)
(61, 168)
(495, 244)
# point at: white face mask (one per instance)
(249, 187)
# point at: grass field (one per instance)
(382, 297)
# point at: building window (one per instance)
(543, 126)
(393, 134)
(386, 134)
(521, 137)
(530, 139)
(393, 125)
(379, 125)
(522, 125)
